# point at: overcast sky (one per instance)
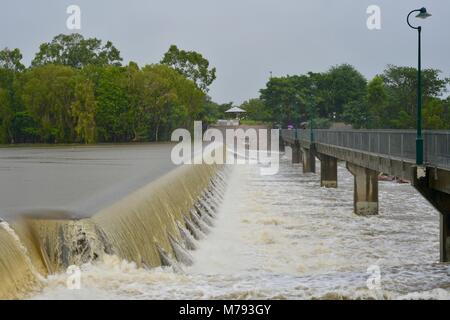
(244, 39)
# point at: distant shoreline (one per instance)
(58, 145)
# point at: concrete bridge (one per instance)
(368, 153)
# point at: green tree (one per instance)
(320, 96)
(11, 60)
(9, 102)
(138, 119)
(257, 110)
(48, 93)
(76, 51)
(210, 111)
(192, 65)
(434, 115)
(169, 98)
(283, 99)
(5, 115)
(112, 103)
(401, 89)
(24, 129)
(356, 113)
(377, 103)
(76, 91)
(190, 101)
(335, 95)
(346, 86)
(6, 111)
(83, 110)
(446, 115)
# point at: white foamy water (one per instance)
(284, 237)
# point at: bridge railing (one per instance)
(393, 143)
(399, 144)
(437, 148)
(292, 134)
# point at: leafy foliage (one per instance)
(192, 65)
(76, 51)
(342, 94)
(257, 111)
(11, 60)
(401, 89)
(77, 91)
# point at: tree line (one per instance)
(343, 94)
(77, 91)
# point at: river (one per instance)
(284, 237)
(77, 180)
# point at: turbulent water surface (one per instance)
(284, 237)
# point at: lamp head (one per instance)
(423, 14)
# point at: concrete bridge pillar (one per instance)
(309, 160)
(365, 197)
(296, 153)
(440, 200)
(445, 237)
(281, 144)
(328, 171)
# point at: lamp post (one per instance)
(422, 14)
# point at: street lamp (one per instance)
(422, 14)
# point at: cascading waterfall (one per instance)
(56, 243)
(17, 273)
(136, 235)
(187, 237)
(156, 225)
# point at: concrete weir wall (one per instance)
(146, 227)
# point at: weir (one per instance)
(153, 226)
(170, 200)
(17, 276)
(53, 244)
